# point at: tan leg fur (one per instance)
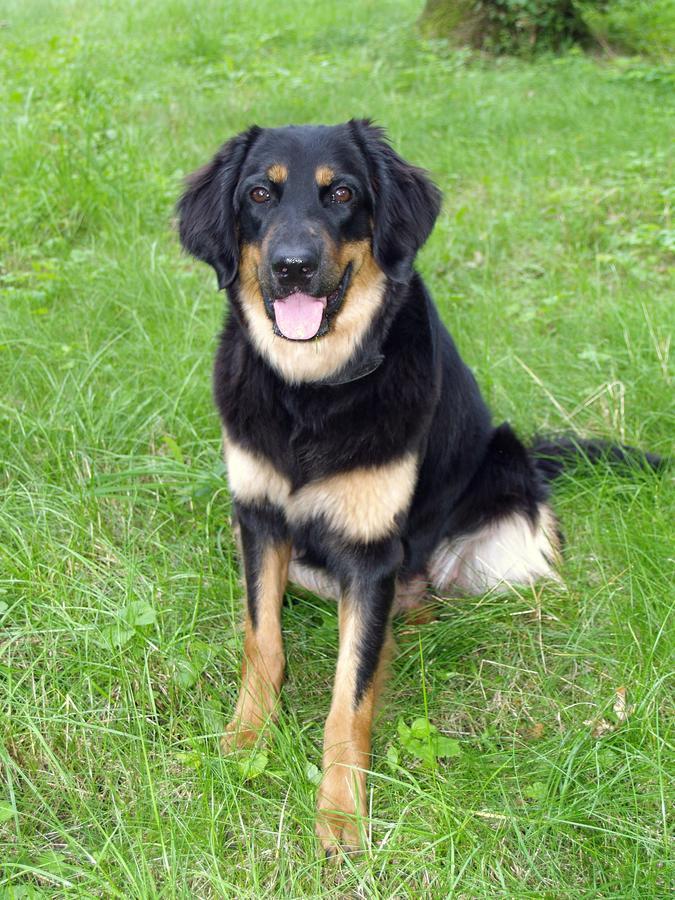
(341, 802)
(264, 661)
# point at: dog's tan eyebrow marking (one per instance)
(277, 173)
(324, 176)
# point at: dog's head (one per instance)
(305, 225)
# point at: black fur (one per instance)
(405, 202)
(207, 211)
(259, 526)
(418, 396)
(556, 453)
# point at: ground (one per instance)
(522, 747)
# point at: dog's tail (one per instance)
(554, 455)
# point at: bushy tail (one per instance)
(556, 454)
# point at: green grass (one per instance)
(119, 594)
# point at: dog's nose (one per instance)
(295, 267)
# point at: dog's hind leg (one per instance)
(504, 533)
(511, 551)
(413, 601)
(266, 552)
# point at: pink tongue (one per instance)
(299, 316)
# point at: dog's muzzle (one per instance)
(301, 317)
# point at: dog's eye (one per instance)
(260, 195)
(341, 195)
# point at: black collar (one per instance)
(353, 372)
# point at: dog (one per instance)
(362, 460)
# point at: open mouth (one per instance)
(301, 317)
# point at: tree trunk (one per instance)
(463, 21)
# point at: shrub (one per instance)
(509, 26)
(528, 26)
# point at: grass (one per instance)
(119, 594)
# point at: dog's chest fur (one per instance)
(321, 454)
(310, 431)
(349, 466)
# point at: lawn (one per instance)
(119, 592)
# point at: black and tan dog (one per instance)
(362, 459)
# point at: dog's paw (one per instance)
(338, 820)
(238, 735)
(338, 835)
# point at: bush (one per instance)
(528, 26)
(509, 26)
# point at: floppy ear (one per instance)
(207, 222)
(406, 202)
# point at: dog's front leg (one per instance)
(266, 550)
(365, 643)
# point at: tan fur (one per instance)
(505, 552)
(324, 176)
(277, 173)
(252, 477)
(300, 361)
(341, 800)
(362, 504)
(263, 663)
(249, 271)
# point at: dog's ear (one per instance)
(406, 202)
(207, 217)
